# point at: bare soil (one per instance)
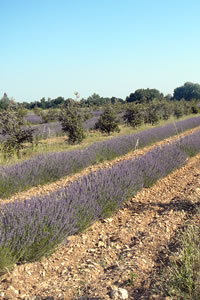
(125, 250)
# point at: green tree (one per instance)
(134, 115)
(50, 115)
(108, 121)
(144, 96)
(178, 110)
(188, 91)
(165, 109)
(194, 108)
(4, 101)
(186, 106)
(12, 127)
(153, 113)
(71, 123)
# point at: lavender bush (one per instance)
(52, 166)
(33, 228)
(33, 118)
(55, 129)
(44, 131)
(190, 144)
(90, 123)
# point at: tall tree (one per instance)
(144, 95)
(188, 91)
(4, 101)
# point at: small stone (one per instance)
(23, 296)
(13, 290)
(123, 294)
(119, 293)
(101, 244)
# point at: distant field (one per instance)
(55, 141)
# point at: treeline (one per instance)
(189, 91)
(93, 100)
(71, 116)
(136, 114)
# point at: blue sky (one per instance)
(53, 48)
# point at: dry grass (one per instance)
(57, 144)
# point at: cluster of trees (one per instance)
(93, 100)
(17, 133)
(144, 96)
(142, 106)
(96, 100)
(137, 114)
(189, 91)
(71, 121)
(45, 104)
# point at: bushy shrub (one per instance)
(12, 126)
(134, 115)
(72, 123)
(166, 109)
(153, 113)
(108, 121)
(178, 110)
(50, 115)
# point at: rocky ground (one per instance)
(119, 257)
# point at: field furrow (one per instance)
(124, 250)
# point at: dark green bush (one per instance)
(72, 123)
(134, 115)
(108, 121)
(12, 127)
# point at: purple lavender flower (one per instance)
(52, 166)
(33, 228)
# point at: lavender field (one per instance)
(33, 118)
(33, 228)
(50, 167)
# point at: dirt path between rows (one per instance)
(49, 188)
(122, 251)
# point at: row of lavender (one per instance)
(46, 130)
(50, 167)
(52, 129)
(33, 228)
(34, 119)
(43, 131)
(55, 129)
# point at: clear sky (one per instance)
(52, 48)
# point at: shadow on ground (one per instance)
(176, 204)
(149, 286)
